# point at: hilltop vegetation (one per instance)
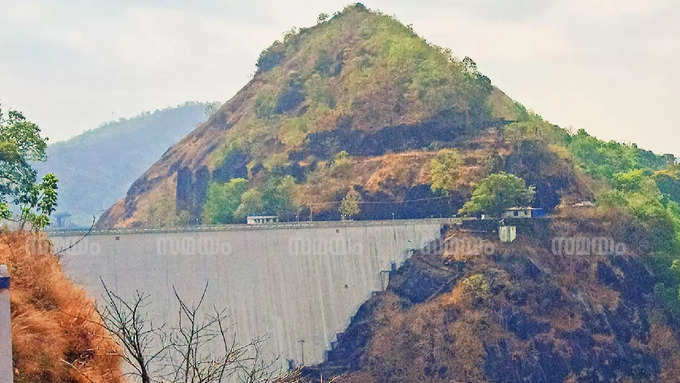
(360, 104)
(359, 82)
(97, 167)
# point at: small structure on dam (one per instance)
(296, 284)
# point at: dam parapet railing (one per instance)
(271, 226)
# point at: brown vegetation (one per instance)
(56, 335)
(520, 312)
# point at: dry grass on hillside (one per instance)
(54, 334)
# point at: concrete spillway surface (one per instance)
(296, 285)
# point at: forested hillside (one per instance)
(340, 105)
(359, 117)
(359, 105)
(97, 167)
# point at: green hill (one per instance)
(97, 167)
(360, 102)
(360, 106)
(359, 83)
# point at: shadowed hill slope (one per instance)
(476, 310)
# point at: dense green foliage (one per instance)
(20, 145)
(605, 159)
(498, 192)
(232, 201)
(350, 204)
(223, 200)
(39, 202)
(277, 195)
(97, 167)
(644, 192)
(445, 170)
(654, 218)
(531, 126)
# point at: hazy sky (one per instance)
(607, 66)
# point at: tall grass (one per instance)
(55, 332)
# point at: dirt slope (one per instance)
(476, 310)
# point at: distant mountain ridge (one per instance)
(96, 167)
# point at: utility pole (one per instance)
(6, 370)
(302, 350)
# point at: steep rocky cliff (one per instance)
(472, 309)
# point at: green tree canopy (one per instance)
(445, 170)
(498, 192)
(21, 144)
(349, 207)
(251, 204)
(223, 200)
(278, 193)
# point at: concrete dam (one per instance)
(298, 285)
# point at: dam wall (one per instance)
(298, 285)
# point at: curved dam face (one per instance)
(297, 285)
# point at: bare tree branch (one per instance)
(201, 348)
(74, 244)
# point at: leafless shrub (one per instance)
(201, 348)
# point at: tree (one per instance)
(445, 170)
(322, 17)
(39, 203)
(349, 207)
(498, 192)
(201, 347)
(277, 195)
(223, 200)
(251, 203)
(635, 180)
(494, 163)
(21, 144)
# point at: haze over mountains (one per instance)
(97, 167)
(359, 114)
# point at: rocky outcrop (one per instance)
(508, 313)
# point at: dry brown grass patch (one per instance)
(55, 331)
